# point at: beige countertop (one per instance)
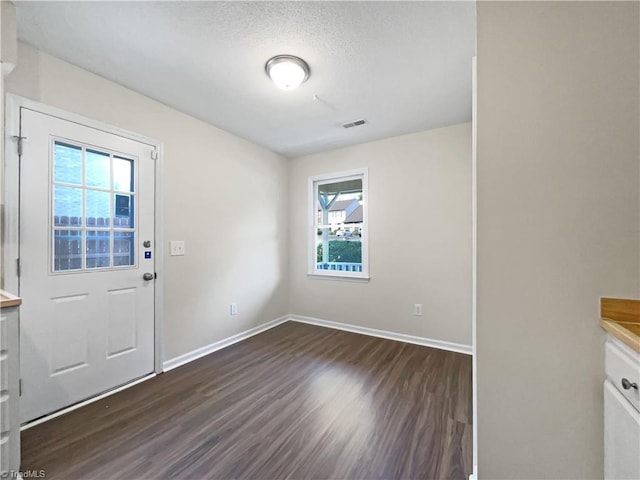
(621, 318)
(9, 300)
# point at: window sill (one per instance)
(341, 278)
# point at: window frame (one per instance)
(312, 215)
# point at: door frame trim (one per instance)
(11, 184)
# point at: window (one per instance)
(93, 198)
(338, 245)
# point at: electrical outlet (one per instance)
(176, 247)
(417, 309)
(233, 310)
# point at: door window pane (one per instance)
(122, 174)
(67, 250)
(123, 249)
(104, 198)
(67, 206)
(67, 163)
(98, 208)
(123, 206)
(98, 248)
(97, 169)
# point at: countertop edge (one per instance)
(618, 330)
(620, 309)
(9, 300)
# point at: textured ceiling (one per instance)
(403, 66)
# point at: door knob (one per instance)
(148, 276)
(626, 384)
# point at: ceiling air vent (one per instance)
(355, 123)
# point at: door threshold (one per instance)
(78, 405)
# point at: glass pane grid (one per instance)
(93, 209)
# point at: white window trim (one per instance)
(312, 272)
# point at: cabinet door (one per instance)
(9, 378)
(621, 436)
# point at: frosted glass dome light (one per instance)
(287, 71)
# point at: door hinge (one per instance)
(18, 266)
(19, 140)
(154, 154)
(20, 387)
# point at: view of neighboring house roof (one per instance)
(355, 217)
(340, 205)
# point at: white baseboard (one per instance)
(474, 475)
(207, 349)
(400, 337)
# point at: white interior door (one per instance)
(86, 243)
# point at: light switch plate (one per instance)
(177, 247)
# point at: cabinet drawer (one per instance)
(623, 363)
(621, 436)
(4, 332)
(4, 354)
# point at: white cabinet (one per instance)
(621, 412)
(9, 394)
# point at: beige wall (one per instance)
(420, 236)
(558, 221)
(8, 58)
(237, 233)
(223, 195)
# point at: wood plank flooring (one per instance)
(295, 402)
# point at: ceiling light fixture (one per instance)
(287, 71)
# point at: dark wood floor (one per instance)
(295, 402)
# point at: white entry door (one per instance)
(87, 266)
